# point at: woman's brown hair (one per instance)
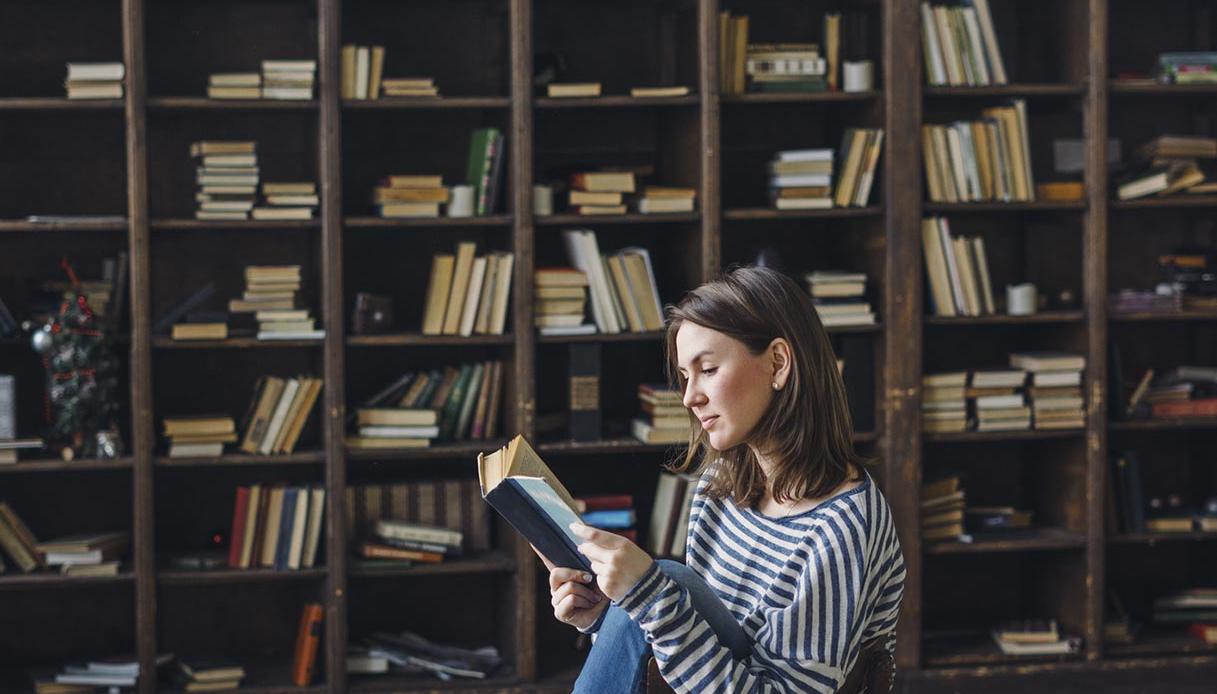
(807, 427)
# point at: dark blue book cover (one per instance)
(286, 520)
(536, 511)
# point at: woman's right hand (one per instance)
(575, 601)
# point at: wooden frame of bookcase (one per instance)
(899, 341)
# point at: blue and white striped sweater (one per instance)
(808, 590)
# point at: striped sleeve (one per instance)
(812, 620)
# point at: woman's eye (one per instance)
(709, 371)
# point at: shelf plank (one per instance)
(503, 220)
(21, 225)
(1029, 89)
(1003, 319)
(174, 224)
(1173, 424)
(420, 340)
(768, 213)
(1045, 539)
(58, 103)
(57, 465)
(1160, 316)
(607, 446)
(439, 451)
(615, 101)
(650, 335)
(1153, 642)
(1133, 89)
(489, 563)
(14, 580)
(202, 103)
(1032, 206)
(800, 97)
(400, 103)
(302, 458)
(1155, 538)
(426, 684)
(1180, 201)
(983, 653)
(223, 576)
(631, 218)
(164, 342)
(1022, 435)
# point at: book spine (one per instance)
(584, 384)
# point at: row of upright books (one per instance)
(455, 403)
(958, 271)
(1042, 388)
(669, 527)
(272, 425)
(623, 293)
(467, 293)
(279, 79)
(980, 160)
(276, 526)
(803, 179)
(959, 45)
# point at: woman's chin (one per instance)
(720, 441)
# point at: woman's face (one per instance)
(726, 387)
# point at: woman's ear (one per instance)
(781, 360)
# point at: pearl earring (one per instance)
(775, 386)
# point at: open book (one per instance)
(522, 488)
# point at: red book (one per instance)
(1203, 632)
(1204, 407)
(307, 639)
(237, 533)
(371, 550)
(607, 502)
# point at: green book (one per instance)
(452, 408)
(477, 170)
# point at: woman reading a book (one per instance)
(793, 560)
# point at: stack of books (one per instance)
(1056, 388)
(1188, 606)
(277, 413)
(664, 418)
(95, 80)
(568, 90)
(1190, 277)
(409, 86)
(1136, 301)
(960, 45)
(199, 436)
(270, 295)
(288, 79)
(998, 400)
(669, 530)
(88, 554)
(1184, 391)
(785, 67)
(611, 512)
(395, 427)
(665, 199)
(958, 271)
(454, 504)
(996, 520)
(464, 399)
(840, 298)
(600, 192)
(942, 511)
(468, 293)
(18, 542)
(206, 675)
(276, 526)
(296, 200)
(1190, 67)
(397, 543)
(234, 85)
(980, 160)
(623, 292)
(860, 148)
(944, 405)
(801, 179)
(405, 196)
(105, 672)
(559, 300)
(1034, 637)
(362, 68)
(227, 177)
(1169, 164)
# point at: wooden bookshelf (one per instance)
(128, 158)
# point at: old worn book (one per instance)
(573, 89)
(438, 289)
(658, 92)
(521, 488)
(200, 331)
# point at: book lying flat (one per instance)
(525, 492)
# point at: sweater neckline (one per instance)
(818, 508)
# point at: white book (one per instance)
(950, 53)
(989, 402)
(936, 268)
(291, 335)
(953, 273)
(280, 414)
(312, 535)
(847, 319)
(295, 547)
(976, 46)
(802, 203)
(584, 253)
(800, 180)
(97, 679)
(195, 450)
(932, 47)
(563, 330)
(418, 432)
(96, 72)
(502, 293)
(362, 66)
(998, 378)
(307, 66)
(1056, 378)
(985, 19)
(481, 323)
(472, 297)
(822, 154)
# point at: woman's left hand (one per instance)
(618, 563)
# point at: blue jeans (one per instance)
(617, 663)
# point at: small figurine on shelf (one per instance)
(82, 378)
